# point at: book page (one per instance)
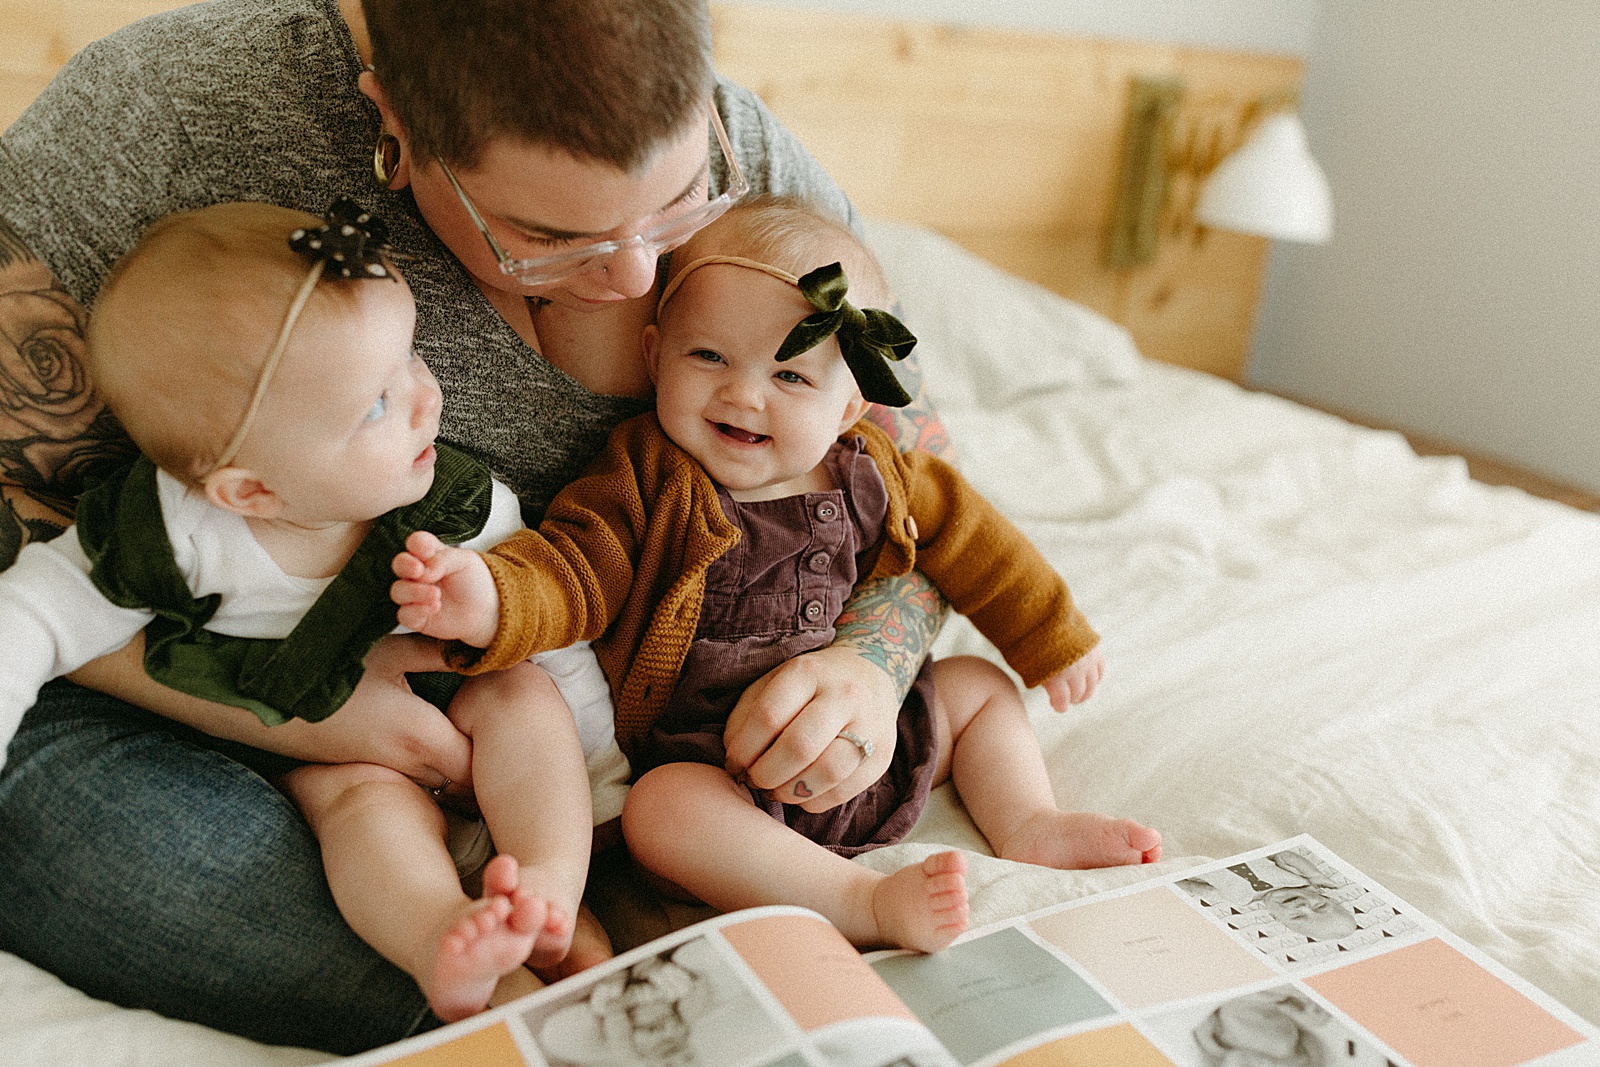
(1281, 957)
(768, 987)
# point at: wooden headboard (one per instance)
(1010, 143)
(1007, 142)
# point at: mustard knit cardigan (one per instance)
(621, 559)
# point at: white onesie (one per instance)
(53, 619)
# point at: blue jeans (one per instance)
(144, 867)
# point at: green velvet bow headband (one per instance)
(868, 337)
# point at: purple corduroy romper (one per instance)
(776, 595)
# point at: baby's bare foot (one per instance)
(923, 906)
(548, 922)
(489, 939)
(1078, 840)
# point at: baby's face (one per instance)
(1308, 912)
(346, 430)
(758, 427)
(1268, 1023)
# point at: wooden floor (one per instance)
(1482, 468)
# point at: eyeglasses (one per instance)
(669, 229)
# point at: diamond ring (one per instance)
(862, 744)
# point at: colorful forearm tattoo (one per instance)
(54, 432)
(892, 622)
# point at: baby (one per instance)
(719, 536)
(263, 364)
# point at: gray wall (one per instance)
(1460, 296)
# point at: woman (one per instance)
(535, 159)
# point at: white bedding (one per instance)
(1309, 629)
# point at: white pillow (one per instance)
(989, 338)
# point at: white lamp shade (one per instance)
(1271, 187)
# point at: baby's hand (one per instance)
(445, 592)
(1077, 683)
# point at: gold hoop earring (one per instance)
(385, 158)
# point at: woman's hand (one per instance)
(383, 722)
(783, 735)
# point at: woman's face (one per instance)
(539, 200)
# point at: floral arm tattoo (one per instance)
(892, 621)
(54, 432)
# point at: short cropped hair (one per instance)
(794, 235)
(183, 324)
(610, 80)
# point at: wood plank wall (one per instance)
(40, 35)
(1007, 142)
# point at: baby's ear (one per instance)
(240, 491)
(853, 412)
(650, 346)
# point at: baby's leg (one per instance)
(989, 748)
(693, 826)
(383, 845)
(532, 786)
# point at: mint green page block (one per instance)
(982, 995)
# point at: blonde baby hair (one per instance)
(183, 324)
(793, 235)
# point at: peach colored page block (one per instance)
(816, 974)
(1119, 1045)
(1437, 1008)
(1150, 948)
(490, 1047)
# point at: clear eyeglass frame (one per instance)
(657, 239)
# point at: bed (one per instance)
(1309, 628)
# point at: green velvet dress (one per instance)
(310, 673)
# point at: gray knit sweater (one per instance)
(257, 100)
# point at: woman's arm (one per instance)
(892, 622)
(383, 722)
(54, 432)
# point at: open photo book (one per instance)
(1285, 955)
